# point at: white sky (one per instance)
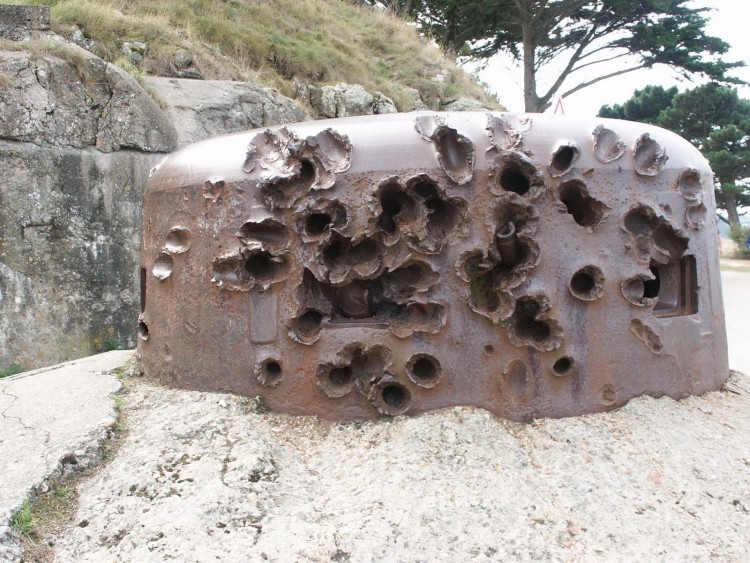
(727, 21)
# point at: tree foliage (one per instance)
(580, 34)
(645, 105)
(712, 117)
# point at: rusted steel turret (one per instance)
(529, 265)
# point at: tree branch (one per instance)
(599, 61)
(600, 78)
(571, 63)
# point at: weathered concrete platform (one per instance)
(47, 416)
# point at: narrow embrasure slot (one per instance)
(677, 289)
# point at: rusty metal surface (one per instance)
(529, 265)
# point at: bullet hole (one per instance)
(668, 243)
(648, 157)
(417, 317)
(268, 372)
(268, 231)
(609, 396)
(342, 251)
(395, 396)
(647, 335)
(307, 326)
(586, 210)
(455, 154)
(398, 207)
(488, 349)
(163, 266)
(563, 159)
(355, 365)
(286, 166)
(441, 216)
(319, 217)
(656, 239)
(513, 172)
(420, 210)
(330, 150)
(405, 281)
(513, 180)
(581, 282)
(484, 293)
(506, 264)
(390, 397)
(525, 323)
(213, 190)
(587, 283)
(607, 145)
(506, 132)
(178, 240)
(249, 267)
(142, 330)
(444, 215)
(424, 370)
(306, 171)
(265, 268)
(640, 220)
(695, 215)
(362, 252)
(268, 153)
(638, 292)
(689, 184)
(529, 325)
(143, 289)
(340, 376)
(335, 381)
(563, 366)
(317, 223)
(486, 278)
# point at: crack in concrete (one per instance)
(46, 433)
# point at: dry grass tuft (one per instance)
(272, 42)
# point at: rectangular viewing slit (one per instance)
(675, 288)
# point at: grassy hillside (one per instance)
(271, 42)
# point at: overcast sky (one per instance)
(727, 21)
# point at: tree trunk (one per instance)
(532, 103)
(730, 204)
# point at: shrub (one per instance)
(12, 370)
(739, 235)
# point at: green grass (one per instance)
(13, 369)
(24, 522)
(271, 42)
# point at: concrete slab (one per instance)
(46, 415)
(205, 477)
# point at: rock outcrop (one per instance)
(200, 109)
(78, 137)
(344, 100)
(62, 96)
